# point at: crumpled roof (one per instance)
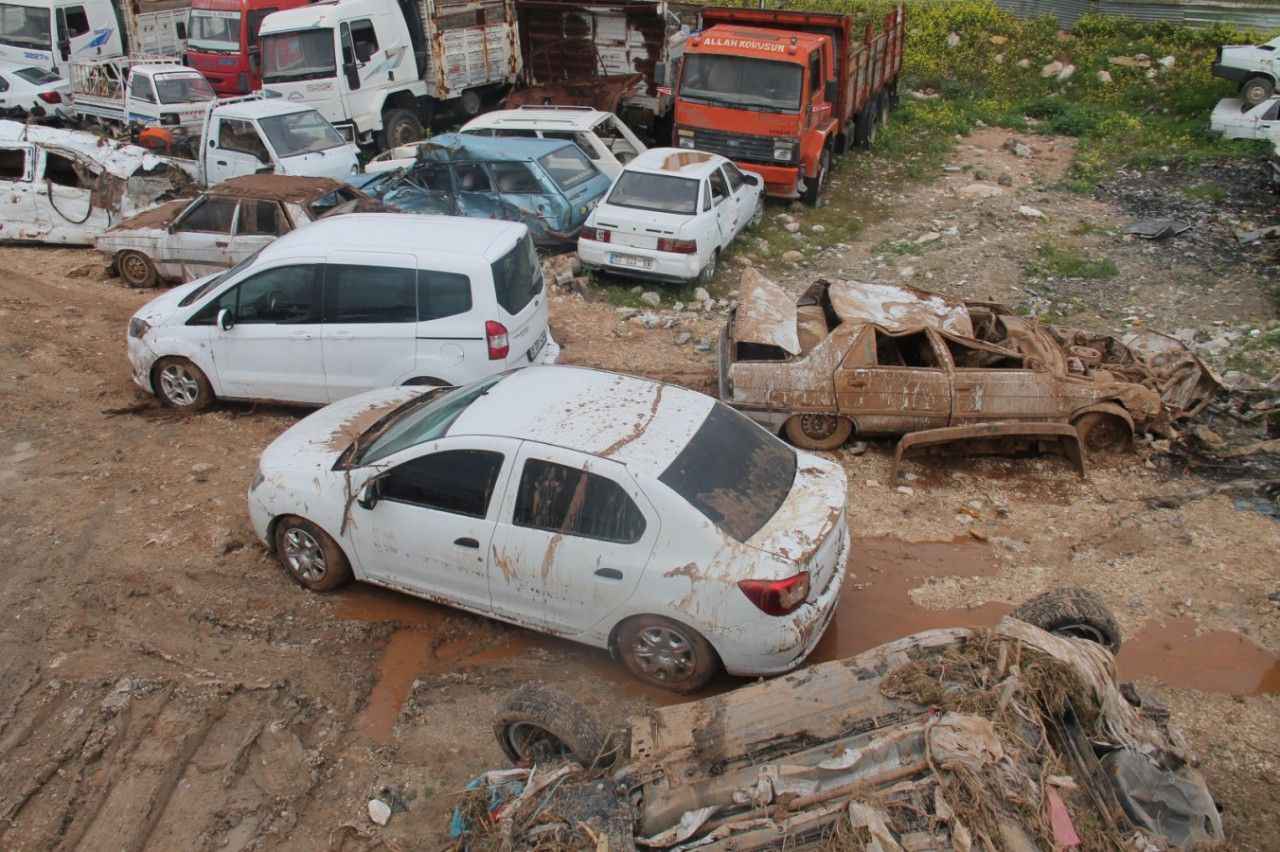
(116, 158)
(896, 307)
(766, 313)
(451, 147)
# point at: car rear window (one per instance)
(663, 193)
(568, 167)
(38, 76)
(733, 472)
(517, 277)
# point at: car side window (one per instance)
(15, 164)
(706, 197)
(815, 71)
(235, 134)
(905, 350)
(967, 357)
(442, 294)
(364, 39)
(582, 140)
(457, 481)
(4, 85)
(211, 215)
(719, 189)
(471, 177)
(566, 500)
(515, 178)
(286, 295)
(365, 294)
(261, 218)
(140, 89)
(736, 180)
(208, 315)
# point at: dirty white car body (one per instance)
(1254, 67)
(669, 215)
(602, 136)
(1234, 120)
(27, 90)
(68, 187)
(347, 304)
(243, 136)
(686, 503)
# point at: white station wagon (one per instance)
(344, 305)
(615, 511)
(670, 214)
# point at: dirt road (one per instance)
(166, 686)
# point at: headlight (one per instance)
(138, 328)
(783, 150)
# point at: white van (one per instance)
(416, 300)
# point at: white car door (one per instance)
(746, 196)
(724, 206)
(20, 217)
(200, 240)
(430, 528)
(572, 542)
(257, 226)
(274, 349)
(62, 185)
(370, 306)
(234, 149)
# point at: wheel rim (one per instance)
(134, 267)
(663, 654)
(1083, 631)
(179, 385)
(818, 426)
(405, 133)
(533, 743)
(1256, 94)
(304, 555)
(1105, 434)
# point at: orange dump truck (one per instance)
(781, 93)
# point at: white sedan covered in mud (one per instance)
(615, 511)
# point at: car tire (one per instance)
(708, 273)
(666, 653)
(310, 557)
(813, 189)
(1103, 433)
(537, 724)
(1074, 612)
(400, 127)
(818, 431)
(1256, 90)
(180, 384)
(136, 270)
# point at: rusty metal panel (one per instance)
(896, 307)
(766, 313)
(473, 44)
(1065, 434)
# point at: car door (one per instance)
(521, 193)
(235, 149)
(199, 240)
(370, 314)
(65, 186)
(474, 192)
(430, 529)
(746, 196)
(274, 350)
(892, 383)
(990, 383)
(258, 224)
(724, 207)
(20, 216)
(573, 538)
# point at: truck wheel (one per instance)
(818, 431)
(470, 103)
(1256, 90)
(537, 724)
(136, 269)
(400, 127)
(813, 188)
(1075, 612)
(1103, 433)
(866, 128)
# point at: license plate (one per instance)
(537, 346)
(630, 260)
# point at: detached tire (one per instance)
(538, 723)
(818, 431)
(136, 270)
(1256, 90)
(1074, 612)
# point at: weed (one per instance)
(1205, 192)
(1058, 262)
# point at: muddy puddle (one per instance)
(1213, 661)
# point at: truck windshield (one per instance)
(568, 166)
(736, 81)
(212, 30)
(182, 88)
(300, 55)
(663, 193)
(25, 26)
(300, 133)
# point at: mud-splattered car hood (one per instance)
(318, 439)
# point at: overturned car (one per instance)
(882, 359)
(1013, 738)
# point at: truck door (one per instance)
(75, 38)
(234, 149)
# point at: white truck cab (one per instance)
(1256, 68)
(253, 134)
(54, 33)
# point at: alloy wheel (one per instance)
(179, 385)
(304, 555)
(663, 654)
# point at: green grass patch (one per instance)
(1054, 261)
(1205, 192)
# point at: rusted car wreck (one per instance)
(1015, 738)
(882, 359)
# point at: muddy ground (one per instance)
(166, 686)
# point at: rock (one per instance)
(678, 307)
(379, 811)
(637, 290)
(1005, 180)
(925, 239)
(1151, 74)
(683, 337)
(650, 298)
(792, 256)
(627, 313)
(998, 59)
(923, 96)
(1068, 71)
(1024, 63)
(582, 286)
(819, 229)
(907, 272)
(1030, 212)
(999, 40)
(1167, 61)
(701, 295)
(979, 190)
(649, 320)
(1052, 69)
(703, 345)
(1140, 60)
(905, 489)
(1207, 436)
(227, 542)
(791, 227)
(951, 169)
(1018, 149)
(953, 39)
(86, 270)
(200, 471)
(857, 448)
(1104, 76)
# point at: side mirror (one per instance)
(264, 157)
(831, 91)
(363, 52)
(750, 178)
(226, 319)
(368, 496)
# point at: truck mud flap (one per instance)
(1064, 433)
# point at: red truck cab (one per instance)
(222, 41)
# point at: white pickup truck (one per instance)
(150, 92)
(1256, 68)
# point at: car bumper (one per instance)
(260, 517)
(1236, 75)
(779, 181)
(662, 265)
(141, 360)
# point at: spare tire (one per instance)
(1074, 612)
(537, 724)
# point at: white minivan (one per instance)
(342, 306)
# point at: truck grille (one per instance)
(735, 146)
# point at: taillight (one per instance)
(678, 246)
(599, 235)
(50, 97)
(495, 334)
(777, 597)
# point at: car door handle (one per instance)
(858, 383)
(609, 573)
(467, 542)
(302, 335)
(222, 162)
(222, 245)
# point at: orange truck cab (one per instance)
(223, 41)
(783, 93)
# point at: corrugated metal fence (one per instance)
(1191, 13)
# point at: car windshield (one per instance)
(733, 472)
(301, 133)
(517, 276)
(419, 420)
(737, 81)
(664, 193)
(568, 166)
(183, 88)
(212, 30)
(25, 26)
(215, 280)
(301, 55)
(38, 76)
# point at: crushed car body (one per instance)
(886, 359)
(68, 187)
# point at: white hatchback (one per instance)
(29, 91)
(670, 214)
(615, 511)
(343, 305)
